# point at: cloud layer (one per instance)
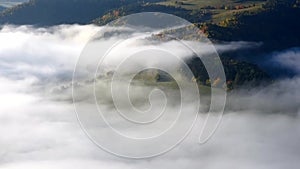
(39, 128)
(289, 59)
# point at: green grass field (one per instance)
(219, 9)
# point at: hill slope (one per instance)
(53, 12)
(273, 22)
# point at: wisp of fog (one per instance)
(39, 128)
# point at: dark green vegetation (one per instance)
(274, 23)
(194, 16)
(238, 73)
(53, 12)
(277, 25)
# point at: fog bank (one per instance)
(39, 129)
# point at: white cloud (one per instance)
(289, 59)
(260, 129)
(41, 52)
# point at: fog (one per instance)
(288, 58)
(39, 128)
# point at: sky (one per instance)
(39, 128)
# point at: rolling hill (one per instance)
(53, 12)
(274, 23)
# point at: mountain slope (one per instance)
(52, 12)
(272, 22)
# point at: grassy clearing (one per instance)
(219, 9)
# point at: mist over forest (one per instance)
(260, 127)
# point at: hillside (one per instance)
(274, 23)
(53, 12)
(193, 16)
